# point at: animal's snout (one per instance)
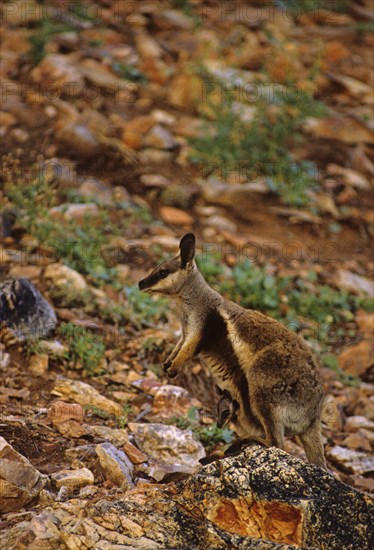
(142, 284)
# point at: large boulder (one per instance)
(262, 498)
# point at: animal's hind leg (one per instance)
(273, 426)
(275, 435)
(313, 444)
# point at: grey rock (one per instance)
(97, 190)
(168, 444)
(350, 461)
(159, 137)
(24, 310)
(117, 436)
(80, 140)
(170, 401)
(354, 423)
(169, 472)
(178, 19)
(354, 283)
(117, 467)
(4, 359)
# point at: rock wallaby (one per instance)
(227, 408)
(267, 369)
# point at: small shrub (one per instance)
(147, 309)
(253, 288)
(41, 37)
(208, 435)
(128, 72)
(261, 147)
(211, 268)
(86, 350)
(98, 412)
(330, 361)
(123, 420)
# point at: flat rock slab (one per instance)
(73, 478)
(85, 395)
(20, 482)
(262, 498)
(116, 465)
(351, 461)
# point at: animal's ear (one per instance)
(227, 394)
(235, 404)
(218, 390)
(187, 248)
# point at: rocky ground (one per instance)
(125, 125)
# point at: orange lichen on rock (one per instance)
(274, 521)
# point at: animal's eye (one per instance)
(225, 413)
(163, 273)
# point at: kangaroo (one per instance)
(269, 370)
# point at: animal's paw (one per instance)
(167, 365)
(172, 373)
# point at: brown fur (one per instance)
(267, 369)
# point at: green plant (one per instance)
(67, 296)
(331, 362)
(363, 27)
(143, 214)
(86, 350)
(82, 10)
(33, 347)
(210, 266)
(147, 308)
(128, 72)
(97, 411)
(261, 147)
(321, 303)
(78, 244)
(187, 8)
(208, 435)
(211, 435)
(364, 302)
(41, 37)
(253, 288)
(124, 418)
(305, 6)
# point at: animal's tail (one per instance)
(330, 413)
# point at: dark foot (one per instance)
(172, 374)
(210, 458)
(236, 447)
(166, 366)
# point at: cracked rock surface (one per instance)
(262, 498)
